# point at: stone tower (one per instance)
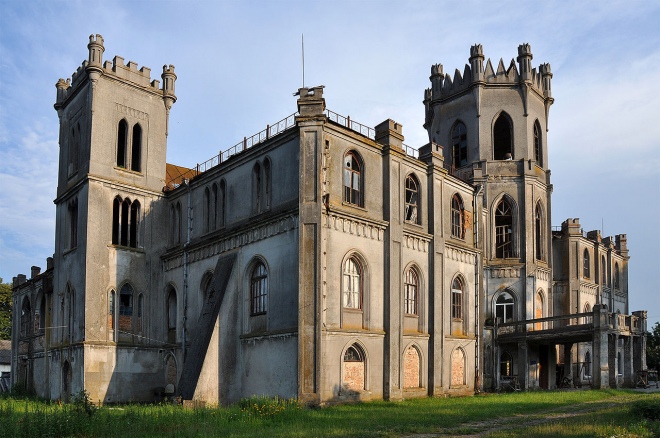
(492, 124)
(113, 130)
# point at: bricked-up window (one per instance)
(503, 230)
(539, 234)
(412, 200)
(457, 229)
(538, 150)
(603, 271)
(457, 367)
(352, 296)
(617, 279)
(136, 148)
(259, 289)
(353, 179)
(122, 143)
(457, 299)
(411, 368)
(506, 364)
(411, 290)
(126, 300)
(504, 308)
(503, 138)
(354, 368)
(459, 145)
(586, 264)
(26, 317)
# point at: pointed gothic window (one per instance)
(222, 202)
(136, 148)
(457, 229)
(259, 289)
(256, 189)
(504, 307)
(353, 179)
(122, 143)
(617, 280)
(73, 223)
(411, 291)
(506, 365)
(412, 200)
(134, 224)
(502, 138)
(586, 264)
(352, 295)
(538, 149)
(504, 230)
(171, 315)
(26, 317)
(603, 271)
(539, 235)
(457, 299)
(459, 145)
(267, 184)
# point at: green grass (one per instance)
(609, 413)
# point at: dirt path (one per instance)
(483, 428)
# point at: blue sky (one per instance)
(238, 64)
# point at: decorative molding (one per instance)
(357, 227)
(234, 241)
(543, 274)
(504, 272)
(460, 255)
(413, 241)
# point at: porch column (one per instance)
(613, 356)
(600, 365)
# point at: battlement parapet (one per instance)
(478, 73)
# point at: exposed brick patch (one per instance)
(354, 375)
(411, 368)
(457, 368)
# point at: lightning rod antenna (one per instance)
(303, 60)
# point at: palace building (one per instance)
(320, 259)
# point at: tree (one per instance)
(653, 347)
(5, 310)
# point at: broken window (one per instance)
(504, 308)
(126, 300)
(73, 223)
(459, 145)
(506, 364)
(352, 296)
(259, 289)
(410, 293)
(26, 317)
(504, 229)
(352, 179)
(412, 200)
(587, 364)
(457, 229)
(586, 264)
(502, 138)
(457, 298)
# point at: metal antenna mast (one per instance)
(303, 60)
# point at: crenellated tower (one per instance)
(113, 141)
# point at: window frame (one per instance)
(504, 237)
(412, 200)
(411, 292)
(538, 143)
(352, 176)
(258, 289)
(350, 279)
(457, 296)
(502, 135)
(457, 217)
(508, 306)
(586, 263)
(459, 147)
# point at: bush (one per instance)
(649, 409)
(83, 403)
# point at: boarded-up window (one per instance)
(411, 372)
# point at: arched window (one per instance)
(26, 317)
(177, 225)
(538, 149)
(412, 200)
(256, 188)
(126, 301)
(122, 143)
(586, 264)
(213, 207)
(457, 229)
(259, 289)
(539, 311)
(457, 298)
(504, 229)
(42, 314)
(506, 364)
(354, 368)
(352, 295)
(222, 202)
(116, 220)
(70, 305)
(171, 315)
(123, 227)
(539, 234)
(459, 145)
(136, 148)
(140, 310)
(587, 364)
(410, 293)
(587, 309)
(502, 138)
(74, 148)
(133, 226)
(111, 313)
(267, 184)
(617, 279)
(457, 367)
(207, 210)
(411, 368)
(353, 177)
(504, 308)
(73, 223)
(603, 271)
(206, 285)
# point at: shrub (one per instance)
(83, 403)
(649, 409)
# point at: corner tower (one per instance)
(492, 123)
(113, 130)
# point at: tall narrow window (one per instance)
(587, 364)
(412, 200)
(504, 308)
(352, 180)
(459, 145)
(603, 271)
(586, 264)
(267, 184)
(74, 149)
(214, 206)
(222, 214)
(70, 300)
(354, 368)
(352, 295)
(457, 299)
(207, 210)
(126, 309)
(122, 143)
(538, 222)
(502, 138)
(134, 225)
(411, 291)
(111, 312)
(171, 315)
(538, 150)
(26, 317)
(617, 280)
(457, 229)
(503, 230)
(136, 148)
(506, 368)
(259, 289)
(140, 310)
(116, 220)
(125, 214)
(42, 314)
(73, 223)
(256, 188)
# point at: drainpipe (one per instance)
(477, 192)
(185, 271)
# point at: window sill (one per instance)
(355, 206)
(124, 169)
(69, 251)
(126, 248)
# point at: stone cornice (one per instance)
(361, 227)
